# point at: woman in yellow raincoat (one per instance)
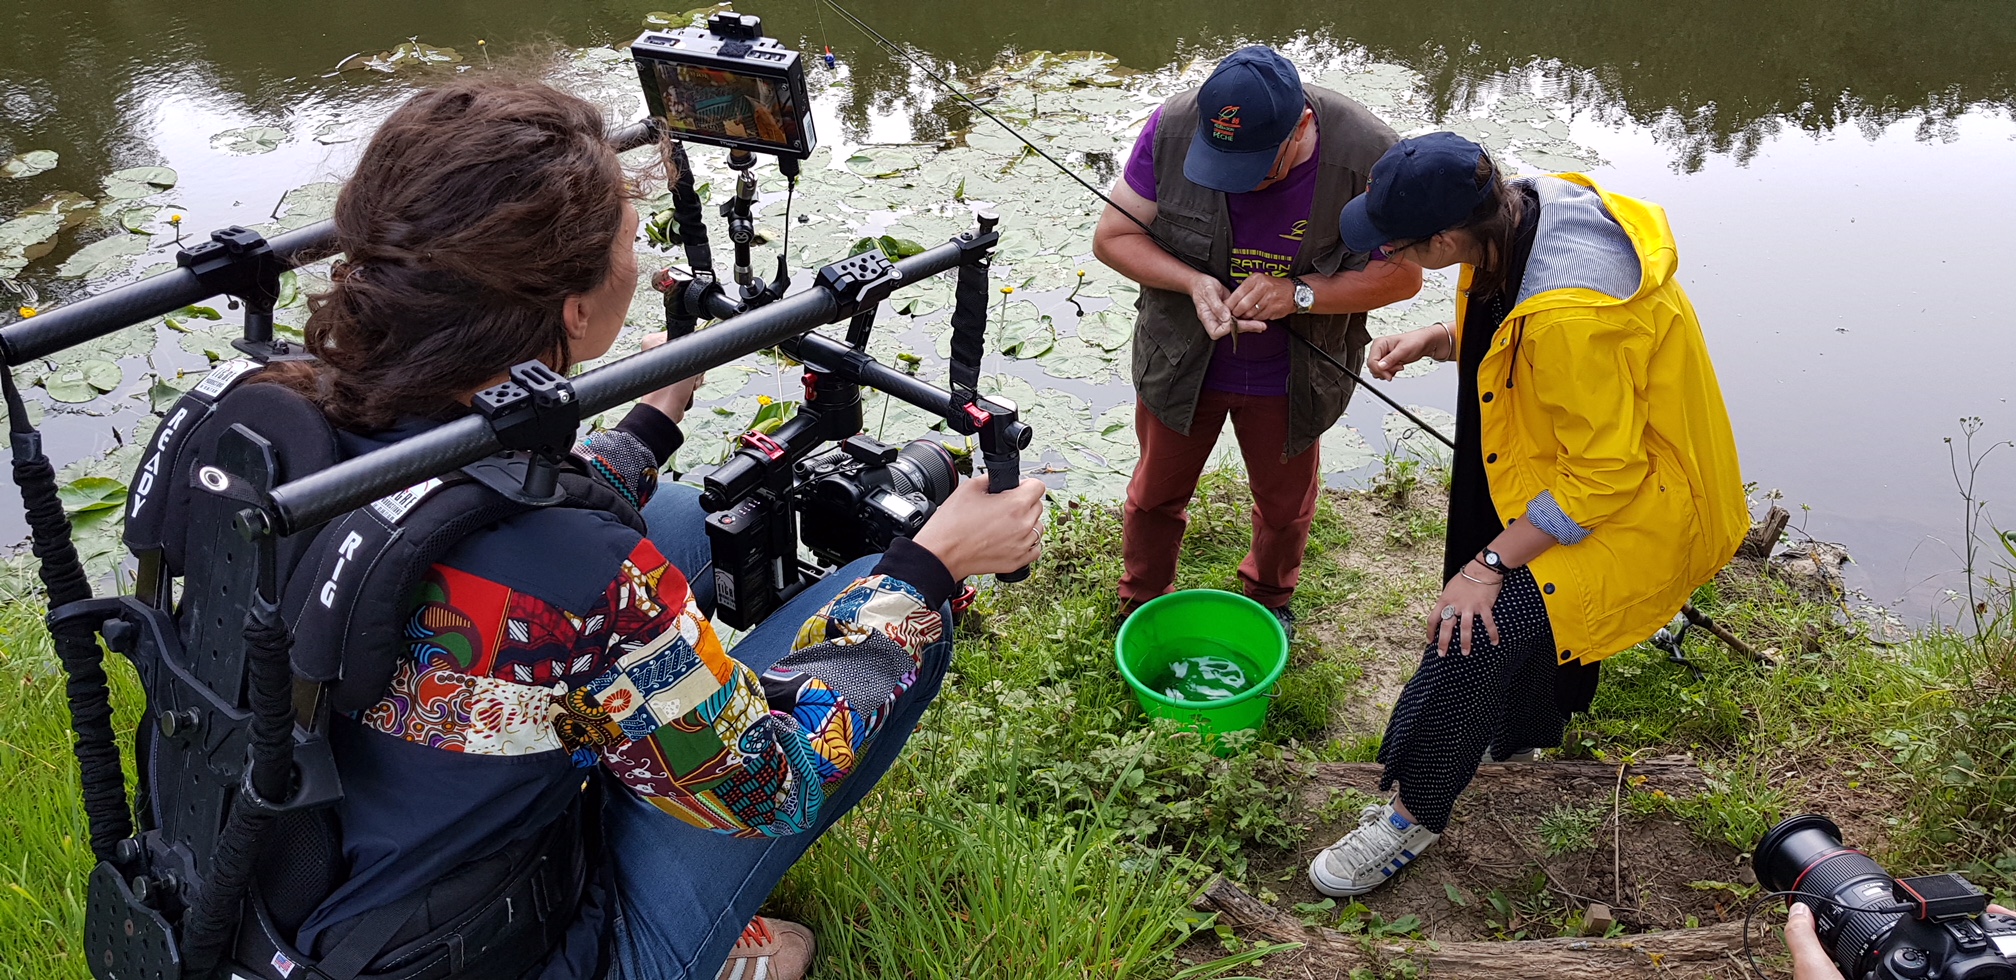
(1594, 485)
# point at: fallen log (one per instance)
(1568, 777)
(1713, 951)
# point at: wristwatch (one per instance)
(1305, 295)
(1493, 561)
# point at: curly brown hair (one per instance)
(477, 209)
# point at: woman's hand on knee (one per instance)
(979, 533)
(1463, 603)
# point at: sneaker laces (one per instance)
(1370, 844)
(756, 933)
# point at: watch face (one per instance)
(1305, 297)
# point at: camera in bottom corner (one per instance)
(1876, 927)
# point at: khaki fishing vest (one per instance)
(1171, 349)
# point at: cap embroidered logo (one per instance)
(1226, 126)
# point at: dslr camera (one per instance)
(1876, 927)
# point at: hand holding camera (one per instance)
(1851, 919)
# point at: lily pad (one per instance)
(29, 164)
(331, 133)
(138, 182)
(92, 493)
(307, 204)
(136, 220)
(105, 257)
(29, 230)
(84, 381)
(163, 395)
(249, 140)
(1109, 329)
(1408, 439)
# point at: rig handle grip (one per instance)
(1001, 479)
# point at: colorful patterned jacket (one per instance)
(563, 640)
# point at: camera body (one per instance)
(727, 85)
(858, 498)
(1875, 927)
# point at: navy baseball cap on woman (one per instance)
(1245, 111)
(1421, 186)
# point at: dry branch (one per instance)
(1679, 953)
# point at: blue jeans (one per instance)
(683, 894)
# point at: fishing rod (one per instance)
(899, 51)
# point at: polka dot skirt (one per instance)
(1501, 697)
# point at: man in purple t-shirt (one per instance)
(1260, 151)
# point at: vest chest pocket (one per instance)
(1188, 231)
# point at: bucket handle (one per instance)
(1275, 693)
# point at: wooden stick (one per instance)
(1689, 953)
(1699, 618)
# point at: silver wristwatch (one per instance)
(1305, 295)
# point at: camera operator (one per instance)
(489, 223)
(1810, 959)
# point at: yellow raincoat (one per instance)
(1612, 405)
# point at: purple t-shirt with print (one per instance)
(1267, 227)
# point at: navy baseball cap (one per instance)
(1245, 111)
(1421, 186)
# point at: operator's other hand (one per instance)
(673, 399)
(1210, 295)
(1389, 355)
(979, 533)
(1809, 959)
(1261, 298)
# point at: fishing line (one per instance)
(901, 52)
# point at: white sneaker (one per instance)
(1366, 857)
(1529, 755)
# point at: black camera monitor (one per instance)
(727, 85)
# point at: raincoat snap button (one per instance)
(1548, 588)
(1493, 458)
(1487, 396)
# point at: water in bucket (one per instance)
(1210, 671)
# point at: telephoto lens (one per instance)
(1876, 927)
(1805, 854)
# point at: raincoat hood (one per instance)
(1593, 248)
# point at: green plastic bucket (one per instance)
(1178, 625)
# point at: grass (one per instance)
(44, 850)
(1040, 828)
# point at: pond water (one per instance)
(1836, 173)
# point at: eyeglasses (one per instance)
(1388, 251)
(1276, 172)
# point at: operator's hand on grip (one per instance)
(979, 533)
(1210, 295)
(1809, 959)
(1388, 355)
(673, 399)
(1261, 298)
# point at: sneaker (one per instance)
(1383, 844)
(1287, 617)
(770, 949)
(1523, 755)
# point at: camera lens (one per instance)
(1805, 854)
(924, 467)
